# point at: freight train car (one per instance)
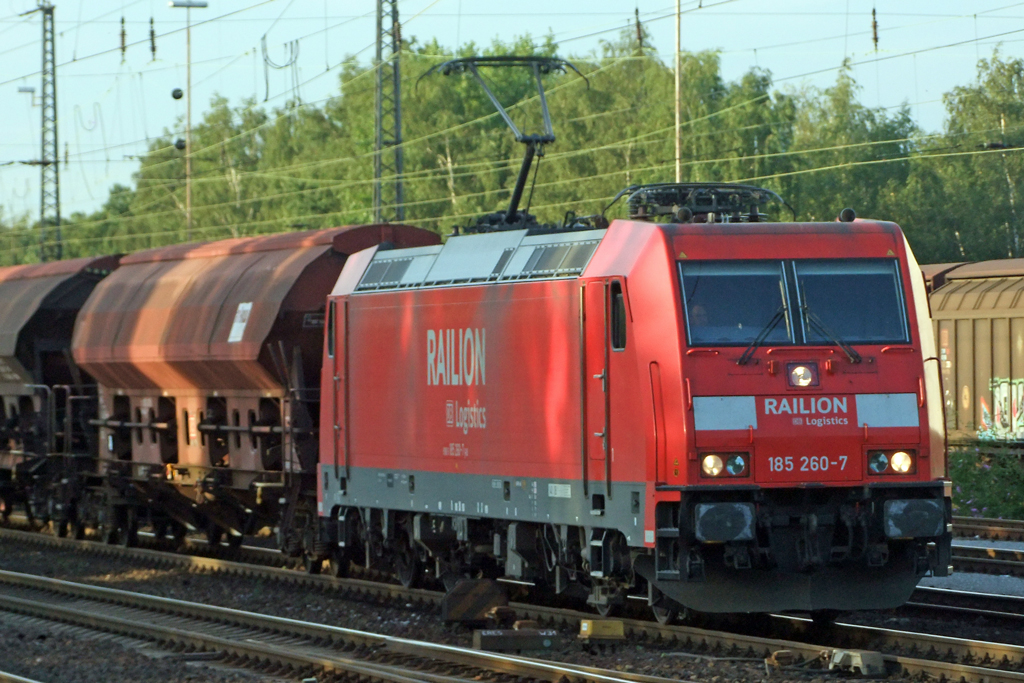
(935, 274)
(693, 405)
(45, 399)
(979, 326)
(207, 360)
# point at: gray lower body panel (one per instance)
(517, 499)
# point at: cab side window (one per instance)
(330, 330)
(618, 317)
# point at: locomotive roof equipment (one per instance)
(512, 218)
(698, 202)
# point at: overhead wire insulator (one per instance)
(123, 43)
(639, 31)
(152, 39)
(874, 28)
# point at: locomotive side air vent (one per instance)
(475, 259)
(559, 260)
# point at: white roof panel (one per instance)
(490, 257)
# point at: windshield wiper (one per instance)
(779, 314)
(812, 319)
(782, 313)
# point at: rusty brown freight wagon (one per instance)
(44, 399)
(207, 359)
(978, 315)
(935, 274)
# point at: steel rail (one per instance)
(264, 626)
(988, 560)
(13, 678)
(893, 641)
(988, 528)
(963, 603)
(902, 649)
(259, 652)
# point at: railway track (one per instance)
(11, 678)
(989, 529)
(988, 560)
(912, 653)
(282, 646)
(945, 601)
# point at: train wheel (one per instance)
(451, 579)
(339, 567)
(235, 541)
(78, 529)
(612, 606)
(664, 613)
(129, 536)
(665, 610)
(30, 517)
(108, 533)
(313, 565)
(213, 535)
(823, 618)
(407, 564)
(60, 528)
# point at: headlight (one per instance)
(892, 462)
(736, 465)
(901, 462)
(725, 465)
(711, 465)
(802, 374)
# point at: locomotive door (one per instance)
(337, 356)
(597, 383)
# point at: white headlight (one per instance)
(901, 462)
(711, 465)
(801, 376)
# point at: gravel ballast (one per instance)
(310, 604)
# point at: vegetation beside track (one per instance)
(310, 165)
(988, 481)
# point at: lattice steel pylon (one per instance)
(388, 195)
(49, 162)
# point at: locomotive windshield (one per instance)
(858, 301)
(732, 302)
(809, 302)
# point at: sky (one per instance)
(110, 104)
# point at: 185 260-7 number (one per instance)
(807, 463)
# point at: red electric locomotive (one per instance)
(696, 405)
